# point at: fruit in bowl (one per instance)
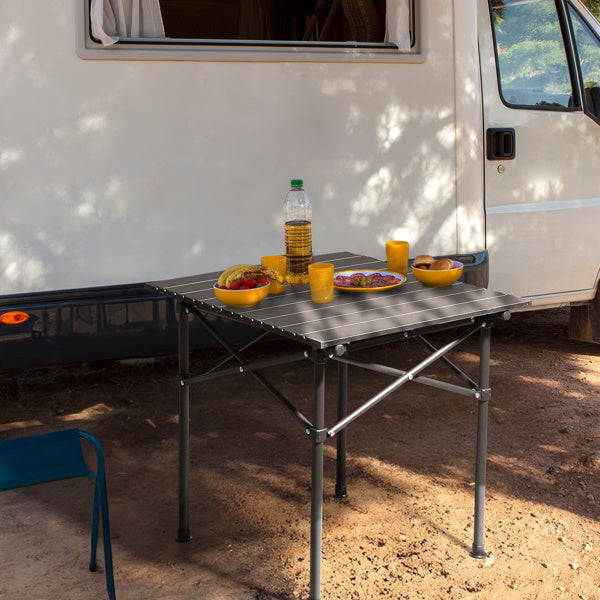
(243, 286)
(436, 273)
(243, 293)
(244, 283)
(243, 272)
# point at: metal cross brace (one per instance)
(248, 367)
(406, 376)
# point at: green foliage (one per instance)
(530, 50)
(594, 6)
(531, 54)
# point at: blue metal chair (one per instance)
(53, 456)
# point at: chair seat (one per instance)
(40, 458)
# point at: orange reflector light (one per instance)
(14, 317)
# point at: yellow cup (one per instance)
(277, 262)
(320, 277)
(397, 256)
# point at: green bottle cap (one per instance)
(297, 182)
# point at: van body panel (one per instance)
(127, 171)
(469, 126)
(543, 206)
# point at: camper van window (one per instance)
(317, 25)
(533, 70)
(588, 54)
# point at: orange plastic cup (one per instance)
(397, 256)
(320, 277)
(277, 262)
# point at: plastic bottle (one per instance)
(298, 233)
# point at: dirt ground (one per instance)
(405, 530)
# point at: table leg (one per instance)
(477, 550)
(318, 435)
(340, 482)
(183, 533)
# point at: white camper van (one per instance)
(142, 140)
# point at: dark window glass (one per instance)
(360, 21)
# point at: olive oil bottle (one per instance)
(298, 233)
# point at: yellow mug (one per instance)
(397, 256)
(320, 277)
(277, 262)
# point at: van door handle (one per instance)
(501, 143)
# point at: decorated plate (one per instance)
(379, 281)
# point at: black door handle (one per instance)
(501, 143)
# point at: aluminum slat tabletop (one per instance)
(350, 316)
(333, 332)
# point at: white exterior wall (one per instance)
(116, 171)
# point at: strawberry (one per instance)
(250, 283)
(262, 281)
(244, 287)
(234, 285)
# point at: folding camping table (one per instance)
(333, 332)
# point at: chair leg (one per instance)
(95, 517)
(101, 511)
(108, 564)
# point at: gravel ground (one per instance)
(404, 531)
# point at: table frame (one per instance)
(316, 429)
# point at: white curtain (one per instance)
(116, 19)
(397, 24)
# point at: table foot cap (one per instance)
(477, 552)
(183, 537)
(341, 492)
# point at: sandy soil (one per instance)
(405, 530)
